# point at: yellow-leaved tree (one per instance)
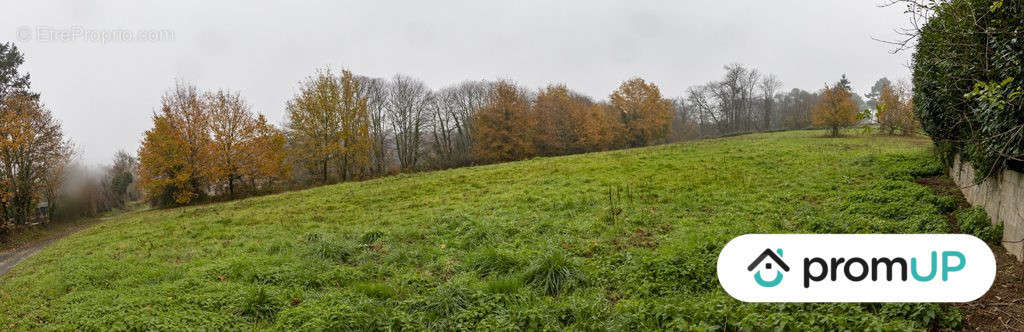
(246, 152)
(329, 126)
(560, 117)
(356, 145)
(165, 175)
(645, 115)
(268, 149)
(896, 110)
(232, 127)
(33, 154)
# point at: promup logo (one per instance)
(766, 254)
(856, 268)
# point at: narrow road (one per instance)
(10, 258)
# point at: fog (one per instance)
(104, 91)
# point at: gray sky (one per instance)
(104, 92)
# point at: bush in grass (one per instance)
(376, 290)
(448, 300)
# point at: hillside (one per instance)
(614, 240)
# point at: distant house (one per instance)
(42, 213)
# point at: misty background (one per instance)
(104, 93)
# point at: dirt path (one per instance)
(11, 257)
(1002, 307)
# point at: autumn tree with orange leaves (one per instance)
(503, 128)
(174, 157)
(268, 150)
(33, 154)
(207, 144)
(246, 152)
(602, 128)
(645, 115)
(560, 115)
(836, 108)
(895, 109)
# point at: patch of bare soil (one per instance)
(944, 186)
(1002, 307)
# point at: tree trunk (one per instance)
(324, 173)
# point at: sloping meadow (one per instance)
(616, 240)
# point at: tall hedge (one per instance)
(968, 80)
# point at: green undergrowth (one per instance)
(620, 240)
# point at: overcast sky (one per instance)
(104, 92)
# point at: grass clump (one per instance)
(504, 285)
(554, 273)
(329, 249)
(259, 305)
(491, 261)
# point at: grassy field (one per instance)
(618, 240)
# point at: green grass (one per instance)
(619, 240)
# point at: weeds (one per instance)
(975, 221)
(260, 306)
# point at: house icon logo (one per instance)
(768, 267)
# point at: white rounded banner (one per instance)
(856, 268)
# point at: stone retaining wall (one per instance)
(1002, 198)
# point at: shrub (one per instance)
(975, 221)
(968, 81)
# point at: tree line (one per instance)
(211, 145)
(341, 126)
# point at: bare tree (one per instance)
(442, 116)
(375, 91)
(407, 108)
(706, 111)
(769, 85)
(452, 116)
